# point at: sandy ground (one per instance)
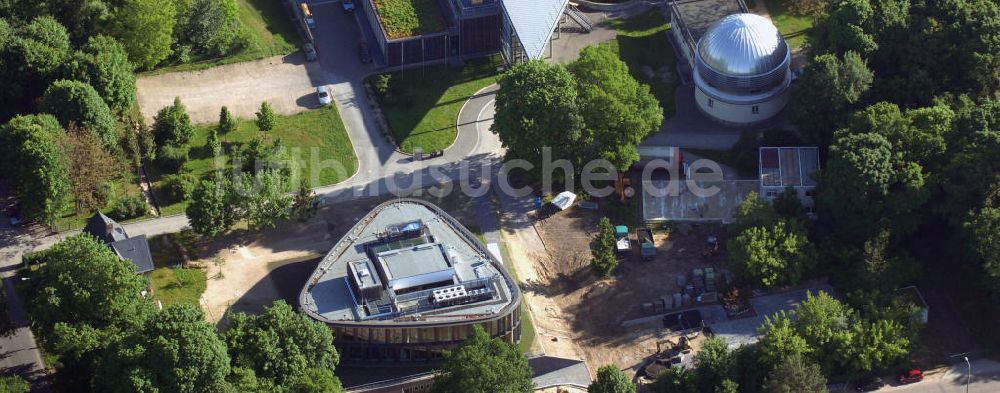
(260, 268)
(288, 83)
(585, 314)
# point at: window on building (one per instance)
(755, 109)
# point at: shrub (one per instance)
(170, 158)
(128, 207)
(178, 187)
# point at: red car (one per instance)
(910, 376)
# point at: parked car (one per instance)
(870, 384)
(310, 51)
(348, 5)
(910, 376)
(364, 52)
(323, 95)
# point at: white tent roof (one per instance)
(534, 22)
(564, 200)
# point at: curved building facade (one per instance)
(407, 283)
(741, 71)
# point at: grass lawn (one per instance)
(314, 138)
(272, 33)
(178, 285)
(407, 18)
(426, 102)
(792, 27)
(636, 37)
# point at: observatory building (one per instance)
(408, 282)
(739, 63)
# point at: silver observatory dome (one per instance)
(742, 53)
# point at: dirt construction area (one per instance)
(288, 83)
(594, 309)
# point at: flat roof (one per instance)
(414, 265)
(414, 261)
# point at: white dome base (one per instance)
(739, 114)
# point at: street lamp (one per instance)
(968, 377)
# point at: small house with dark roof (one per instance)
(135, 249)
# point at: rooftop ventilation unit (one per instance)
(449, 294)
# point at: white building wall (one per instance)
(739, 114)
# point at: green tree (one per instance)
(172, 125)
(227, 123)
(984, 227)
(876, 345)
(753, 211)
(796, 374)
(602, 248)
(483, 365)
(78, 102)
(828, 89)
(260, 198)
(918, 134)
(728, 386)
(175, 351)
(41, 47)
(244, 380)
(824, 323)
(780, 254)
(103, 63)
(145, 28)
(675, 380)
(845, 27)
(210, 212)
(213, 143)
(304, 206)
(714, 364)
(210, 27)
(618, 111)
(35, 165)
(536, 107)
(610, 379)
(780, 340)
(314, 380)
(280, 344)
(265, 117)
(854, 185)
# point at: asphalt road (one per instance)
(985, 379)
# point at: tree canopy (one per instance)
(209, 210)
(78, 102)
(796, 374)
(823, 96)
(104, 64)
(35, 164)
(773, 255)
(145, 28)
(536, 107)
(172, 125)
(482, 365)
(280, 344)
(610, 379)
(175, 351)
(618, 111)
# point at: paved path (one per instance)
(985, 379)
